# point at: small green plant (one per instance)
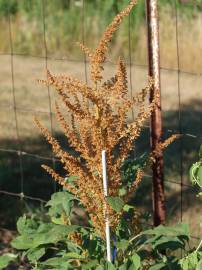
(194, 259)
(196, 172)
(58, 242)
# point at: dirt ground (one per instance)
(31, 97)
(179, 91)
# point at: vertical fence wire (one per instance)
(43, 6)
(130, 63)
(179, 107)
(14, 107)
(84, 39)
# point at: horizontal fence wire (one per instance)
(128, 63)
(20, 153)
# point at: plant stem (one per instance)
(135, 237)
(199, 246)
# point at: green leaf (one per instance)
(26, 226)
(35, 254)
(54, 235)
(59, 197)
(72, 178)
(196, 173)
(123, 266)
(22, 242)
(199, 265)
(6, 259)
(193, 172)
(171, 243)
(127, 207)
(100, 267)
(136, 262)
(200, 152)
(190, 261)
(74, 255)
(46, 234)
(57, 221)
(60, 201)
(123, 244)
(157, 266)
(90, 265)
(179, 230)
(122, 191)
(21, 224)
(133, 263)
(199, 177)
(116, 203)
(109, 266)
(56, 261)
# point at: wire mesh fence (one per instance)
(22, 150)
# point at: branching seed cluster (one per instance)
(99, 121)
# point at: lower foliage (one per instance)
(60, 240)
(56, 242)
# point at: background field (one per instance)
(180, 80)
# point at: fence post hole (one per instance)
(156, 118)
(105, 187)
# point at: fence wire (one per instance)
(22, 155)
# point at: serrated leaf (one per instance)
(116, 203)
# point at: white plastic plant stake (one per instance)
(105, 185)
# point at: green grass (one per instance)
(63, 20)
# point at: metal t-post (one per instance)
(156, 118)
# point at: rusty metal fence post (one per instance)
(156, 118)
